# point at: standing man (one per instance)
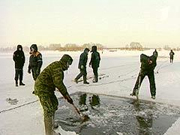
(49, 79)
(171, 54)
(94, 63)
(155, 53)
(35, 61)
(148, 65)
(19, 60)
(82, 66)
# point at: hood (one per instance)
(19, 48)
(94, 49)
(66, 60)
(86, 50)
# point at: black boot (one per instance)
(85, 79)
(21, 83)
(86, 82)
(95, 79)
(76, 80)
(16, 83)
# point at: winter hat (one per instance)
(86, 49)
(94, 48)
(66, 59)
(34, 47)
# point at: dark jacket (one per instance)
(171, 54)
(19, 57)
(83, 59)
(145, 65)
(155, 53)
(95, 58)
(35, 60)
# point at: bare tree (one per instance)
(136, 46)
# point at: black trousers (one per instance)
(95, 71)
(18, 74)
(83, 73)
(171, 60)
(35, 72)
(151, 78)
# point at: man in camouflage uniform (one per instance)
(35, 61)
(49, 79)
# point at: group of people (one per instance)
(35, 63)
(52, 77)
(148, 64)
(94, 63)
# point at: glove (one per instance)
(150, 61)
(29, 70)
(82, 66)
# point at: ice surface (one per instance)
(121, 67)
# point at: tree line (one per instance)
(58, 47)
(75, 47)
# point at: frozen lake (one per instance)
(118, 72)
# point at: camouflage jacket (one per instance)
(50, 78)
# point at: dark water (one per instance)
(115, 116)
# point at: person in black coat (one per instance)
(19, 60)
(35, 61)
(171, 54)
(94, 63)
(148, 65)
(155, 53)
(82, 66)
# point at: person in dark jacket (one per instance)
(19, 60)
(35, 61)
(46, 83)
(82, 66)
(94, 63)
(148, 65)
(171, 54)
(155, 53)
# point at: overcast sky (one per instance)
(112, 23)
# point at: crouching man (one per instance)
(148, 64)
(49, 79)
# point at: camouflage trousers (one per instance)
(49, 103)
